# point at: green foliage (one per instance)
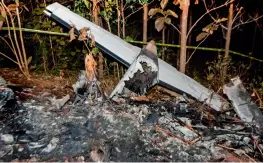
(81, 7)
(214, 74)
(142, 2)
(165, 18)
(61, 54)
(128, 38)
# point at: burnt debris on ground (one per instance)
(92, 129)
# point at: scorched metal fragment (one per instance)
(142, 74)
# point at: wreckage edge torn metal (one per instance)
(125, 53)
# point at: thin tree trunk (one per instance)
(118, 19)
(145, 23)
(96, 11)
(228, 39)
(163, 41)
(123, 19)
(184, 21)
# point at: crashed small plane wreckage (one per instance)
(126, 53)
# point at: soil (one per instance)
(40, 82)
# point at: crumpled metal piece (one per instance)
(86, 89)
(247, 110)
(142, 74)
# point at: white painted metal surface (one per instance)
(126, 53)
(246, 109)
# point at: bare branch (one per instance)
(137, 10)
(8, 58)
(126, 7)
(248, 21)
(7, 44)
(196, 48)
(213, 9)
(205, 5)
(238, 13)
(175, 28)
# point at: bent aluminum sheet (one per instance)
(246, 109)
(125, 53)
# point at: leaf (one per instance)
(71, 33)
(46, 24)
(72, 53)
(29, 60)
(102, 13)
(1, 25)
(210, 76)
(159, 24)
(38, 11)
(3, 14)
(210, 28)
(61, 42)
(221, 20)
(154, 11)
(201, 36)
(95, 51)
(176, 2)
(181, 3)
(215, 27)
(42, 5)
(128, 38)
(171, 13)
(84, 51)
(37, 26)
(2, 17)
(87, 3)
(167, 21)
(83, 34)
(11, 7)
(164, 3)
(53, 37)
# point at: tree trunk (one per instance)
(145, 23)
(96, 11)
(123, 19)
(228, 39)
(184, 21)
(163, 42)
(118, 19)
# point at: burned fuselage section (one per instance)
(142, 74)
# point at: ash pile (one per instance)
(127, 125)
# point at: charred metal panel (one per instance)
(141, 75)
(247, 110)
(126, 53)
